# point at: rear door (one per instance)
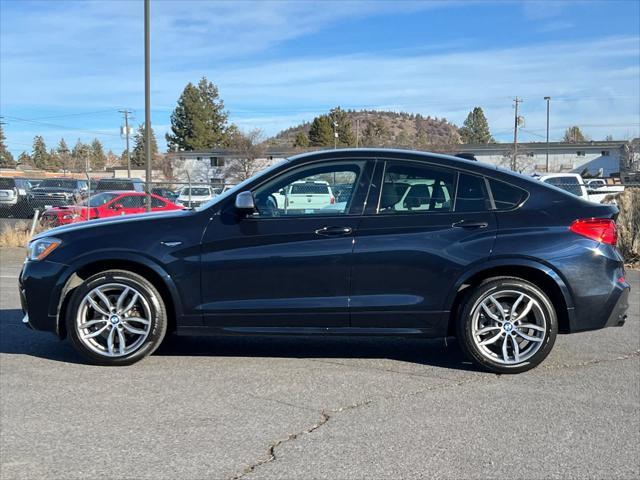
(416, 237)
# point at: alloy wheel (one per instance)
(508, 326)
(113, 320)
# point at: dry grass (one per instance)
(17, 235)
(629, 225)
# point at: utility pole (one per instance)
(548, 99)
(516, 101)
(335, 135)
(126, 136)
(357, 132)
(147, 100)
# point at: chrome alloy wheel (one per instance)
(113, 320)
(508, 326)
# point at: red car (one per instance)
(104, 205)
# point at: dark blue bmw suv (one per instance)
(416, 244)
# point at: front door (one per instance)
(413, 243)
(288, 264)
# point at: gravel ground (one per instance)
(315, 408)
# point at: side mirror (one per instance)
(245, 202)
(117, 206)
(282, 192)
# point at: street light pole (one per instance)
(548, 100)
(335, 135)
(147, 101)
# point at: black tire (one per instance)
(471, 303)
(158, 316)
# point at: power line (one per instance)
(65, 127)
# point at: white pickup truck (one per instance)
(594, 190)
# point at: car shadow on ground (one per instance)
(15, 338)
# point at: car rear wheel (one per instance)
(507, 325)
(116, 317)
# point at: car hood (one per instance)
(139, 219)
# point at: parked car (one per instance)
(505, 265)
(307, 195)
(106, 204)
(593, 190)
(599, 190)
(14, 192)
(55, 192)
(119, 184)
(192, 197)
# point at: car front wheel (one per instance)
(116, 317)
(507, 325)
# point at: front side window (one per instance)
(414, 188)
(472, 194)
(310, 191)
(157, 203)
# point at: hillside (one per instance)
(385, 129)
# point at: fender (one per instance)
(512, 261)
(64, 280)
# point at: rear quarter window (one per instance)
(506, 196)
(472, 194)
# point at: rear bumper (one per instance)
(612, 311)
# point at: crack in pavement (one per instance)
(327, 415)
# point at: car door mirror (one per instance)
(245, 202)
(117, 206)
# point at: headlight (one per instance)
(70, 216)
(41, 248)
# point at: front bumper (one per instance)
(39, 287)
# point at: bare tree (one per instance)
(249, 158)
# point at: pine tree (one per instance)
(199, 121)
(138, 158)
(80, 156)
(476, 128)
(301, 140)
(321, 132)
(6, 159)
(25, 161)
(64, 156)
(39, 154)
(97, 157)
(345, 134)
(574, 135)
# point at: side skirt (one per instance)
(308, 331)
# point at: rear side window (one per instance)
(157, 203)
(472, 194)
(412, 188)
(309, 189)
(505, 196)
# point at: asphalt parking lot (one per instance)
(315, 408)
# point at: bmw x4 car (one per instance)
(421, 245)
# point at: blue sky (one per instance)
(67, 67)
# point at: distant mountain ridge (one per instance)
(374, 128)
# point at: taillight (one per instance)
(599, 229)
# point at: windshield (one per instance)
(239, 187)
(7, 183)
(55, 183)
(100, 199)
(195, 191)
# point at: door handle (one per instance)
(333, 231)
(463, 224)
